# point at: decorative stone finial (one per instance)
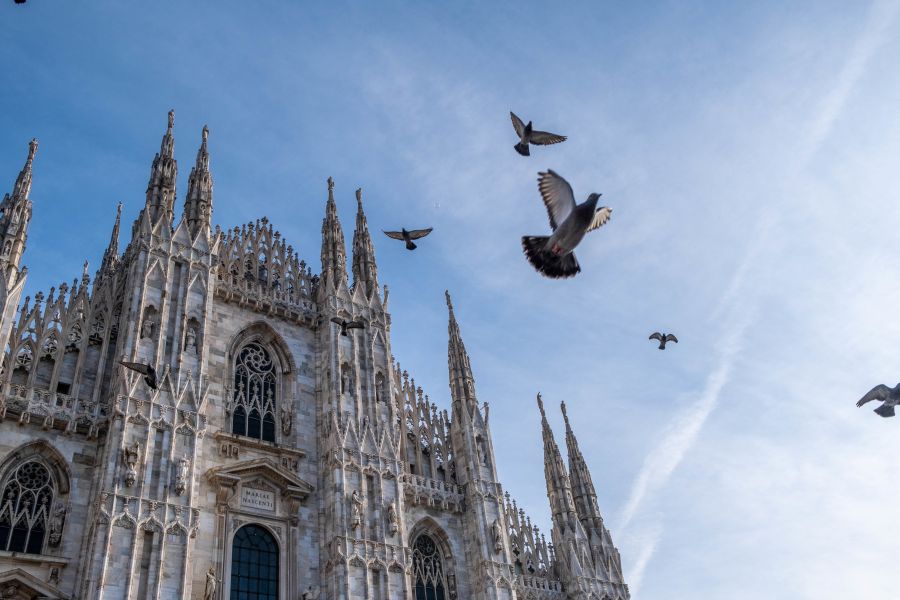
(359, 197)
(449, 301)
(32, 149)
(171, 119)
(330, 184)
(540, 404)
(205, 133)
(562, 406)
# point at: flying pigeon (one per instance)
(889, 396)
(345, 325)
(20, 1)
(527, 135)
(408, 236)
(663, 338)
(147, 371)
(552, 255)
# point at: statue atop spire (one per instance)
(365, 271)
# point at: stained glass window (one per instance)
(254, 565)
(428, 569)
(25, 508)
(255, 384)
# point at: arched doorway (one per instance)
(254, 564)
(428, 569)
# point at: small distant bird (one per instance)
(147, 371)
(890, 397)
(20, 1)
(552, 255)
(527, 135)
(663, 338)
(408, 236)
(345, 325)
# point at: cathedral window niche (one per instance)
(255, 393)
(254, 564)
(428, 570)
(25, 508)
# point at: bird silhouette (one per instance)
(20, 1)
(527, 136)
(663, 338)
(890, 397)
(147, 371)
(552, 255)
(345, 325)
(408, 236)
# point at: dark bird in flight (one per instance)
(552, 255)
(345, 325)
(20, 1)
(408, 236)
(663, 338)
(147, 371)
(890, 397)
(527, 135)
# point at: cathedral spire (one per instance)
(23, 182)
(163, 173)
(15, 215)
(559, 489)
(112, 251)
(334, 250)
(365, 272)
(462, 382)
(199, 202)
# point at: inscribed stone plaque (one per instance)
(258, 499)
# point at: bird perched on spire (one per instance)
(408, 236)
(662, 338)
(345, 325)
(527, 136)
(147, 371)
(890, 397)
(552, 255)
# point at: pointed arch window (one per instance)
(25, 505)
(428, 570)
(255, 393)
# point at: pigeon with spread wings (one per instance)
(408, 236)
(345, 325)
(528, 135)
(552, 255)
(889, 397)
(662, 338)
(147, 371)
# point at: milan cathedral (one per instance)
(278, 458)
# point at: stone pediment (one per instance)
(261, 473)
(17, 584)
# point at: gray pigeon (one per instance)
(345, 325)
(552, 255)
(890, 397)
(408, 236)
(147, 371)
(527, 135)
(663, 338)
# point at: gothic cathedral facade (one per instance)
(271, 453)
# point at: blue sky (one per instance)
(749, 153)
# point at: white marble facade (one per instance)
(278, 458)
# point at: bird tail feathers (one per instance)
(549, 265)
(410, 245)
(522, 149)
(885, 411)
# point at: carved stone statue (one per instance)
(211, 583)
(393, 523)
(497, 535)
(190, 339)
(182, 467)
(357, 502)
(131, 458)
(287, 420)
(345, 379)
(311, 593)
(56, 524)
(147, 325)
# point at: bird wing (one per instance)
(338, 321)
(557, 195)
(671, 338)
(655, 336)
(140, 368)
(415, 234)
(879, 392)
(356, 325)
(545, 138)
(394, 235)
(518, 125)
(601, 217)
